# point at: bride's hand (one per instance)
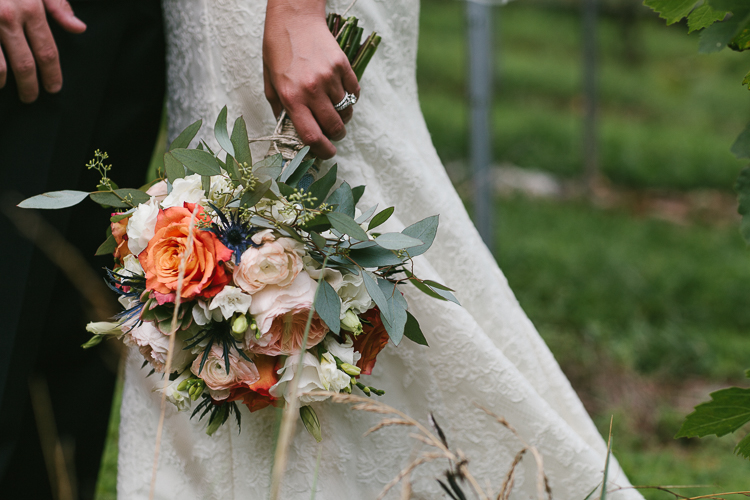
(306, 73)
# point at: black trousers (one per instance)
(111, 100)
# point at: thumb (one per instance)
(62, 12)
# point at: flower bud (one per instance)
(366, 390)
(239, 326)
(352, 370)
(351, 323)
(183, 385)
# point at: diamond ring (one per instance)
(347, 101)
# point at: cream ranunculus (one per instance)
(309, 381)
(354, 295)
(242, 373)
(154, 346)
(231, 300)
(332, 378)
(274, 262)
(345, 352)
(141, 225)
(188, 189)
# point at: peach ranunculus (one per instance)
(205, 275)
(119, 232)
(256, 396)
(274, 262)
(372, 341)
(242, 373)
(281, 314)
(158, 190)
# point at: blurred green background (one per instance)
(641, 291)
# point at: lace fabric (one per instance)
(485, 353)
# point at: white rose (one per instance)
(221, 191)
(231, 300)
(188, 189)
(278, 210)
(141, 226)
(332, 378)
(354, 295)
(345, 352)
(132, 266)
(309, 378)
(181, 399)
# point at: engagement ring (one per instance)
(347, 101)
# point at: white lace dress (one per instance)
(486, 352)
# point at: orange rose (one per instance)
(372, 341)
(121, 238)
(205, 276)
(256, 396)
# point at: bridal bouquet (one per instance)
(250, 270)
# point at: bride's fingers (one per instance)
(310, 132)
(346, 114)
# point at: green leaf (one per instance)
(718, 35)
(742, 187)
(357, 193)
(328, 306)
(397, 241)
(319, 241)
(431, 288)
(746, 80)
(741, 146)
(366, 215)
(319, 223)
(233, 169)
(119, 217)
(380, 218)
(743, 447)
(292, 166)
(206, 183)
(174, 169)
(270, 166)
(671, 10)
(728, 410)
(186, 136)
(435, 284)
(397, 306)
(109, 199)
(412, 331)
(108, 247)
(320, 188)
(343, 198)
(198, 161)
(345, 224)
(375, 257)
(221, 134)
(312, 424)
(295, 177)
(285, 190)
(240, 142)
(54, 200)
(703, 17)
(741, 40)
(377, 296)
(424, 230)
(251, 198)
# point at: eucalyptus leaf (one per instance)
(319, 241)
(186, 136)
(397, 241)
(328, 306)
(319, 223)
(347, 225)
(375, 257)
(119, 217)
(366, 215)
(299, 173)
(380, 218)
(412, 330)
(357, 193)
(251, 198)
(108, 247)
(200, 162)
(377, 296)
(233, 169)
(424, 230)
(132, 197)
(270, 166)
(221, 134)
(320, 188)
(343, 199)
(285, 190)
(54, 200)
(292, 166)
(240, 142)
(397, 306)
(173, 168)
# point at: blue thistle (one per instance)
(136, 286)
(234, 233)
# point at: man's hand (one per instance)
(26, 43)
(306, 73)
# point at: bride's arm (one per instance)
(305, 72)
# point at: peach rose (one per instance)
(119, 232)
(241, 373)
(205, 275)
(281, 315)
(274, 262)
(256, 396)
(372, 341)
